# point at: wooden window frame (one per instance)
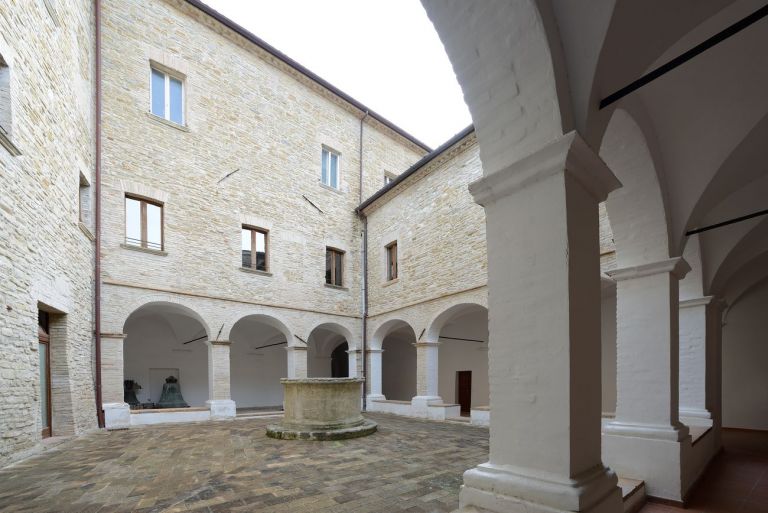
(44, 338)
(336, 253)
(392, 264)
(143, 221)
(254, 230)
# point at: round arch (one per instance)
(436, 325)
(322, 343)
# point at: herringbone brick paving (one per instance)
(409, 466)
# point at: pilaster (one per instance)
(220, 402)
(695, 362)
(374, 374)
(117, 413)
(297, 361)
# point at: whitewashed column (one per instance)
(426, 377)
(374, 375)
(219, 398)
(354, 364)
(117, 413)
(544, 350)
(645, 440)
(695, 364)
(297, 361)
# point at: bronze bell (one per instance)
(171, 396)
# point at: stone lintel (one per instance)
(697, 301)
(677, 266)
(568, 153)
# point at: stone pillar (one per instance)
(544, 351)
(426, 377)
(219, 399)
(117, 413)
(355, 368)
(695, 362)
(374, 375)
(646, 439)
(297, 361)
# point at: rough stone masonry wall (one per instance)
(45, 256)
(247, 114)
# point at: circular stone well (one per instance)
(322, 409)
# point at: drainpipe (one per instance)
(364, 265)
(97, 212)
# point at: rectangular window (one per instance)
(143, 223)
(334, 267)
(167, 96)
(391, 260)
(329, 173)
(84, 202)
(254, 248)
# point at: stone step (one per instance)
(633, 493)
(257, 414)
(466, 420)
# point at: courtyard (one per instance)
(228, 466)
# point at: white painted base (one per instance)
(374, 397)
(169, 417)
(117, 415)
(222, 409)
(420, 404)
(503, 488)
(699, 413)
(443, 411)
(480, 417)
(396, 407)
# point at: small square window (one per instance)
(84, 202)
(391, 249)
(334, 267)
(143, 223)
(167, 96)
(329, 173)
(254, 248)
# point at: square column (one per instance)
(544, 351)
(117, 413)
(426, 377)
(355, 368)
(220, 401)
(374, 375)
(646, 439)
(297, 361)
(695, 364)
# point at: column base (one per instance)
(503, 488)
(699, 413)
(420, 404)
(654, 454)
(222, 408)
(375, 397)
(117, 415)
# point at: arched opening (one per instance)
(325, 346)
(164, 340)
(258, 359)
(463, 356)
(398, 362)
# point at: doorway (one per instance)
(43, 350)
(464, 390)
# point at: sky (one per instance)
(384, 53)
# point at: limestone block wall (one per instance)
(46, 257)
(249, 117)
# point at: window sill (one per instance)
(6, 143)
(390, 282)
(255, 271)
(144, 250)
(328, 187)
(166, 122)
(337, 287)
(86, 231)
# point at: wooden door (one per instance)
(464, 390)
(44, 353)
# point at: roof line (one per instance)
(250, 36)
(429, 157)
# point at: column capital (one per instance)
(296, 348)
(696, 301)
(374, 350)
(354, 351)
(426, 344)
(116, 336)
(220, 342)
(569, 153)
(677, 267)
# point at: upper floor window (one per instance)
(5, 98)
(84, 201)
(330, 168)
(143, 223)
(334, 267)
(167, 96)
(254, 248)
(391, 261)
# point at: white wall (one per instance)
(745, 362)
(320, 345)
(157, 341)
(398, 368)
(255, 373)
(460, 355)
(608, 337)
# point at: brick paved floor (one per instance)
(408, 466)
